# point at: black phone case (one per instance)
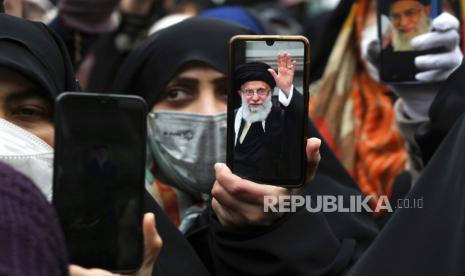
(64, 193)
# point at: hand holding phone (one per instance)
(240, 202)
(152, 247)
(416, 44)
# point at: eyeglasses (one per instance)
(410, 13)
(259, 91)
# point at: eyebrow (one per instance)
(24, 94)
(185, 81)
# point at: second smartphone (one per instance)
(99, 168)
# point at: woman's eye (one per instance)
(223, 95)
(29, 113)
(174, 95)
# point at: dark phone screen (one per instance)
(266, 133)
(99, 179)
(398, 23)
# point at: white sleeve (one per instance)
(285, 100)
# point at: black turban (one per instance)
(253, 71)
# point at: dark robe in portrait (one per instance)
(271, 149)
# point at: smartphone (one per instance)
(267, 119)
(398, 23)
(98, 181)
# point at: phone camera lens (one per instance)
(269, 42)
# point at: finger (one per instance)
(152, 244)
(225, 215)
(445, 61)
(445, 21)
(279, 60)
(75, 270)
(242, 189)
(285, 60)
(313, 157)
(431, 40)
(434, 75)
(273, 74)
(294, 65)
(228, 200)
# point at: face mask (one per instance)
(369, 35)
(185, 147)
(28, 154)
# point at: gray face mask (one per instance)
(186, 146)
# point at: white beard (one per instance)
(401, 42)
(252, 115)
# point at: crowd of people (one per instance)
(365, 138)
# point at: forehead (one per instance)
(255, 85)
(200, 72)
(11, 81)
(399, 6)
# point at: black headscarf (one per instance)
(448, 105)
(31, 49)
(253, 71)
(429, 240)
(161, 56)
(327, 35)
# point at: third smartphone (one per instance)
(398, 23)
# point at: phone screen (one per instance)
(99, 178)
(398, 23)
(267, 117)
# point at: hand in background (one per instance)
(136, 7)
(152, 246)
(13, 7)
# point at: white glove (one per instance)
(435, 68)
(438, 67)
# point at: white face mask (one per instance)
(28, 154)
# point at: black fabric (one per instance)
(176, 256)
(300, 243)
(322, 48)
(108, 59)
(428, 240)
(33, 50)
(252, 71)
(68, 35)
(151, 65)
(274, 153)
(448, 105)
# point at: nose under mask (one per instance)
(28, 154)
